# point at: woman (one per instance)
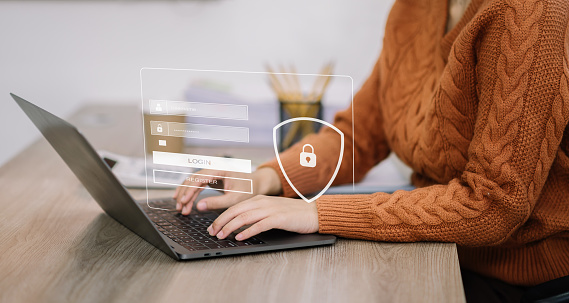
(479, 113)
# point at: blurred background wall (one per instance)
(63, 54)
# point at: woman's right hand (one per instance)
(265, 180)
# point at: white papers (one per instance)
(388, 176)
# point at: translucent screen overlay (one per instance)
(204, 124)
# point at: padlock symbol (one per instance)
(159, 128)
(308, 159)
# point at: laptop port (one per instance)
(218, 254)
(206, 255)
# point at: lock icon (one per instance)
(308, 159)
(159, 128)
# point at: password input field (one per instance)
(200, 131)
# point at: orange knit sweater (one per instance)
(480, 114)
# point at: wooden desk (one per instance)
(57, 245)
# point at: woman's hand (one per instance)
(265, 182)
(264, 213)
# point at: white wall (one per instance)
(62, 54)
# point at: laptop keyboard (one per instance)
(190, 231)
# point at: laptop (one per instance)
(180, 237)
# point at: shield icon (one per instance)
(308, 154)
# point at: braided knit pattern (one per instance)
(513, 64)
(427, 206)
(553, 133)
(412, 80)
(481, 116)
(498, 134)
(411, 70)
(456, 116)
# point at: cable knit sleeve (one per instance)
(369, 148)
(523, 109)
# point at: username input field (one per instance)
(202, 162)
(199, 109)
(200, 131)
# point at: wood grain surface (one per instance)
(57, 245)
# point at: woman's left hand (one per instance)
(264, 213)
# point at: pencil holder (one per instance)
(293, 132)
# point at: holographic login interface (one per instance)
(205, 127)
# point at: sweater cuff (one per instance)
(302, 177)
(347, 216)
